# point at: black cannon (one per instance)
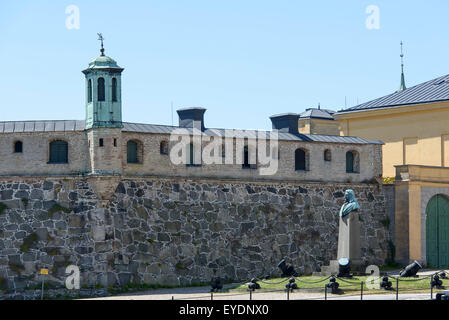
(411, 270)
(287, 271)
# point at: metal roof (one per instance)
(431, 91)
(41, 126)
(78, 125)
(151, 128)
(317, 114)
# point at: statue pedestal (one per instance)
(348, 245)
(349, 239)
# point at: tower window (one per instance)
(115, 142)
(114, 89)
(18, 147)
(58, 151)
(101, 89)
(101, 142)
(89, 91)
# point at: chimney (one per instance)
(286, 122)
(191, 118)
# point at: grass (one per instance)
(348, 286)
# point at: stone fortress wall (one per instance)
(126, 216)
(174, 231)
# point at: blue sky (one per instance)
(242, 60)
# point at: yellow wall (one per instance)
(412, 135)
(318, 126)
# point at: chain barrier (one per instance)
(349, 286)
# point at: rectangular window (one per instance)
(115, 142)
(101, 143)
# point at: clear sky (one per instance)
(242, 60)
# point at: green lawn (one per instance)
(348, 286)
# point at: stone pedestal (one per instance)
(349, 239)
(348, 245)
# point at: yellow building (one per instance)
(413, 124)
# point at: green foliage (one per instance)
(57, 208)
(17, 268)
(3, 207)
(27, 242)
(53, 252)
(385, 222)
(390, 261)
(388, 180)
(180, 266)
(3, 284)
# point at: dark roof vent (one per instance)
(286, 122)
(191, 118)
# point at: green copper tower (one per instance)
(103, 92)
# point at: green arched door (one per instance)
(437, 232)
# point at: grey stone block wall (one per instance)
(175, 231)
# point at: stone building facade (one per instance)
(106, 196)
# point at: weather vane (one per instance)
(100, 37)
(402, 56)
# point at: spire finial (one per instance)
(100, 37)
(402, 87)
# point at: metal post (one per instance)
(211, 295)
(325, 292)
(397, 288)
(431, 290)
(288, 294)
(250, 294)
(42, 293)
(361, 290)
(173, 298)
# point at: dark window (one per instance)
(101, 89)
(191, 151)
(300, 160)
(101, 142)
(164, 147)
(327, 155)
(18, 147)
(115, 142)
(114, 89)
(131, 151)
(350, 162)
(58, 152)
(89, 91)
(246, 159)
